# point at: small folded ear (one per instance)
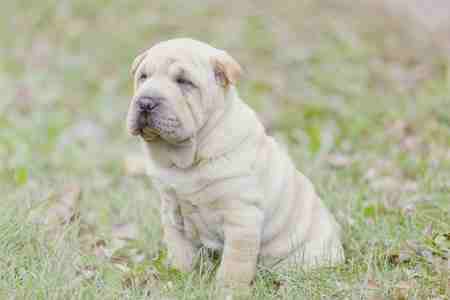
(226, 70)
(137, 61)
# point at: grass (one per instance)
(363, 113)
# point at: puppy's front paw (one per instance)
(231, 290)
(182, 257)
(231, 279)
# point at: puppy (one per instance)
(223, 183)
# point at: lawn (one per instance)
(362, 107)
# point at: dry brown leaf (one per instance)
(372, 284)
(281, 286)
(373, 290)
(401, 256)
(65, 207)
(99, 249)
(60, 209)
(87, 237)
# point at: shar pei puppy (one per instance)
(224, 184)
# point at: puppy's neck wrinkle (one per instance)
(226, 130)
(214, 121)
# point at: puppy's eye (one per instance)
(183, 81)
(142, 77)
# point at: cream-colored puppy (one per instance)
(224, 184)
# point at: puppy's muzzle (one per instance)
(148, 104)
(146, 107)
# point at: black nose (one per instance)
(148, 103)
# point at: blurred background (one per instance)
(358, 91)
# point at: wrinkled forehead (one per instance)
(187, 53)
(163, 62)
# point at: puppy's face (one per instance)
(177, 85)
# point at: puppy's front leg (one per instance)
(242, 231)
(181, 250)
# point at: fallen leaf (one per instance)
(373, 290)
(400, 256)
(372, 284)
(99, 249)
(65, 208)
(59, 209)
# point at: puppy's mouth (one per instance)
(156, 122)
(145, 127)
(152, 126)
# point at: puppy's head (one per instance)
(177, 85)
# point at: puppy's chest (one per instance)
(201, 196)
(202, 222)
